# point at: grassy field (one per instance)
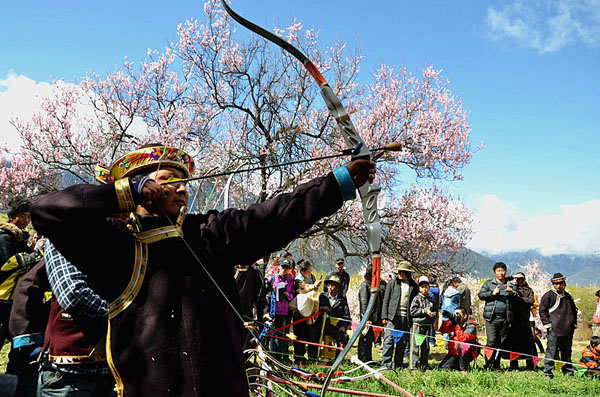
(475, 383)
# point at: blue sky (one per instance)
(527, 71)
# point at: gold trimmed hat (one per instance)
(137, 160)
(558, 278)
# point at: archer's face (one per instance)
(176, 195)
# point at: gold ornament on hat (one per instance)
(137, 160)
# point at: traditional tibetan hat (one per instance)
(558, 278)
(152, 156)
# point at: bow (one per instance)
(368, 192)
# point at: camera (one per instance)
(454, 318)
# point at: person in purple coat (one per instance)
(281, 288)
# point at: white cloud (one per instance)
(498, 228)
(19, 97)
(546, 25)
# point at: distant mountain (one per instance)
(473, 263)
(579, 269)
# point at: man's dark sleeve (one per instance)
(29, 314)
(485, 294)
(262, 306)
(363, 298)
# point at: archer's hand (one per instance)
(152, 190)
(361, 170)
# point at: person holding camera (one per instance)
(499, 297)
(462, 328)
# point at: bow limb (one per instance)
(368, 192)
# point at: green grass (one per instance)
(453, 383)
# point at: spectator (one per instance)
(422, 313)
(434, 293)
(342, 274)
(498, 312)
(28, 319)
(596, 325)
(450, 300)
(253, 297)
(305, 282)
(462, 328)
(72, 361)
(275, 265)
(16, 259)
(365, 340)
(281, 286)
(465, 295)
(559, 317)
(338, 313)
(590, 357)
(520, 335)
(395, 315)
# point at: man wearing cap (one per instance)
(172, 329)
(338, 312)
(395, 315)
(342, 275)
(559, 317)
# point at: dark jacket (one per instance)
(251, 287)
(364, 294)
(465, 297)
(29, 314)
(485, 294)
(16, 259)
(418, 308)
(522, 306)
(179, 336)
(391, 298)
(563, 317)
(12, 241)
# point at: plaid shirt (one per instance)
(69, 287)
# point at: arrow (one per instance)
(390, 147)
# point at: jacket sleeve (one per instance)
(416, 311)
(462, 336)
(29, 314)
(363, 298)
(485, 294)
(544, 310)
(386, 301)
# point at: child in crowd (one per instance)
(591, 357)
(422, 312)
